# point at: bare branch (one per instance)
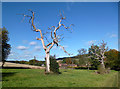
(95, 53)
(48, 44)
(51, 31)
(55, 38)
(65, 50)
(46, 39)
(51, 27)
(38, 38)
(99, 52)
(61, 39)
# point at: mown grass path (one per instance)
(68, 78)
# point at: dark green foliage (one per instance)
(113, 59)
(32, 62)
(36, 62)
(54, 67)
(81, 67)
(64, 60)
(82, 56)
(81, 60)
(93, 61)
(23, 62)
(5, 46)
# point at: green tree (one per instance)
(54, 67)
(94, 62)
(33, 62)
(82, 56)
(5, 46)
(112, 59)
(98, 52)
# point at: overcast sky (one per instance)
(92, 21)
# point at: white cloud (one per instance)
(13, 55)
(25, 55)
(33, 43)
(113, 35)
(37, 48)
(22, 47)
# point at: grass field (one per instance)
(68, 78)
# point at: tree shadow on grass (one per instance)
(7, 74)
(15, 68)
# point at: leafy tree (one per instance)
(64, 60)
(83, 60)
(54, 67)
(68, 60)
(23, 62)
(98, 52)
(76, 61)
(112, 59)
(94, 62)
(33, 61)
(40, 63)
(5, 46)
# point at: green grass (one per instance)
(68, 78)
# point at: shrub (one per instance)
(54, 67)
(102, 70)
(81, 67)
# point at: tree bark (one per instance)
(102, 63)
(47, 62)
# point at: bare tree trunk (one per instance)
(102, 63)
(47, 62)
(88, 67)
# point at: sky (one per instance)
(93, 22)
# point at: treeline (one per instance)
(31, 62)
(111, 61)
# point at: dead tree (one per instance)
(99, 52)
(54, 36)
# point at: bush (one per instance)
(81, 67)
(102, 70)
(54, 67)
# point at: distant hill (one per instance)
(66, 57)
